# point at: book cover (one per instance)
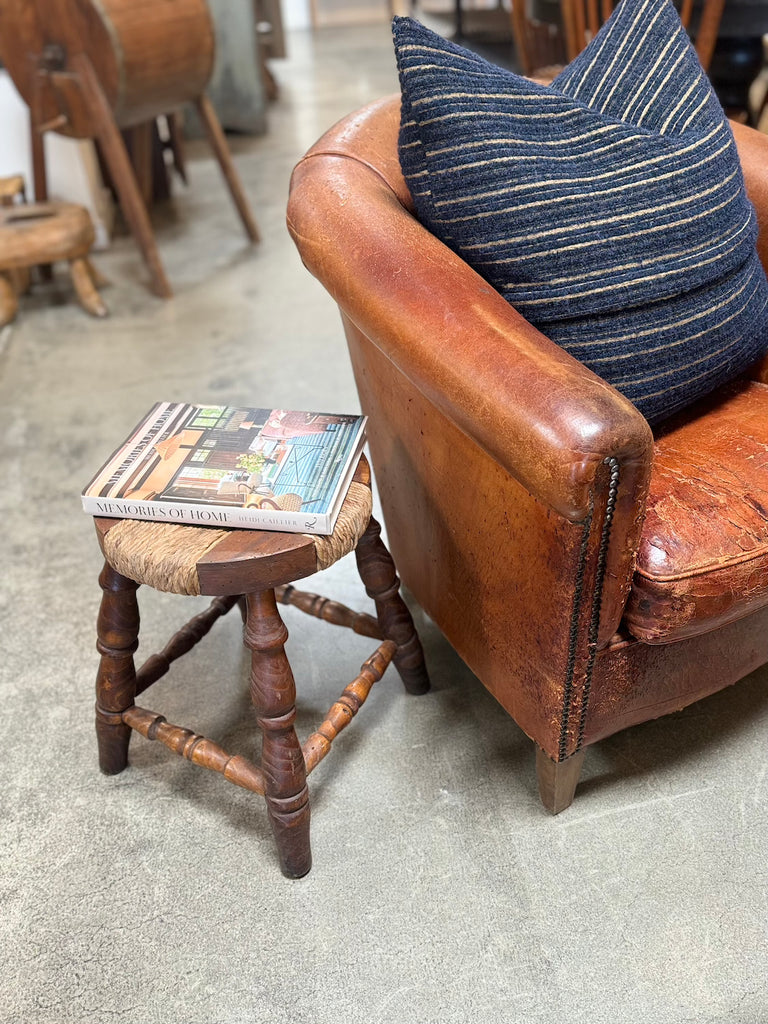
(216, 465)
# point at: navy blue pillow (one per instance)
(608, 208)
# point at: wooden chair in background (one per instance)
(88, 70)
(544, 48)
(270, 38)
(539, 45)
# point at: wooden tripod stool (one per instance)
(88, 69)
(38, 234)
(254, 568)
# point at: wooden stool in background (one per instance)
(37, 234)
(12, 191)
(256, 569)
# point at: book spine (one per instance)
(207, 515)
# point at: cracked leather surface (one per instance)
(703, 556)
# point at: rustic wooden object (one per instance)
(117, 640)
(238, 769)
(250, 569)
(377, 571)
(88, 69)
(33, 234)
(330, 611)
(347, 706)
(220, 148)
(12, 191)
(156, 149)
(273, 693)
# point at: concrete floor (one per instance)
(441, 890)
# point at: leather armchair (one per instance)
(591, 575)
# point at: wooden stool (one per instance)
(254, 568)
(32, 234)
(12, 191)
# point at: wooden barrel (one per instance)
(149, 55)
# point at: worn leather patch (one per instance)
(703, 557)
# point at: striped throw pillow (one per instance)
(608, 208)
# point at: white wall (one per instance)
(296, 14)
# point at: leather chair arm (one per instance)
(545, 418)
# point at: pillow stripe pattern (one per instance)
(608, 208)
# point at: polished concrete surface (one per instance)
(441, 890)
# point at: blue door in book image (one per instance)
(309, 464)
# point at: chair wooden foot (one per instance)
(558, 779)
(377, 571)
(8, 302)
(220, 148)
(273, 693)
(88, 296)
(118, 632)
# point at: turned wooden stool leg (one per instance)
(273, 693)
(118, 632)
(377, 571)
(558, 779)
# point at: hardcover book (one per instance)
(216, 465)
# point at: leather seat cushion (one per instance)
(703, 558)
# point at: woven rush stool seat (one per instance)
(255, 569)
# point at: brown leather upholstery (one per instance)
(703, 556)
(513, 480)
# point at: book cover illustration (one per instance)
(219, 465)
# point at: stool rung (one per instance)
(156, 666)
(241, 771)
(330, 611)
(197, 749)
(347, 706)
